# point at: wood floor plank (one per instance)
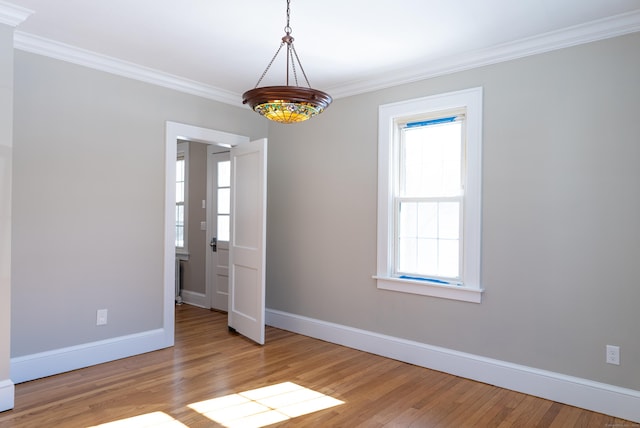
(209, 362)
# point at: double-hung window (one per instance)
(429, 196)
(181, 197)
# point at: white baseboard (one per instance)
(6, 395)
(35, 366)
(194, 298)
(595, 396)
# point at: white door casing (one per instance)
(178, 131)
(248, 239)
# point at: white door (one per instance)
(218, 227)
(248, 239)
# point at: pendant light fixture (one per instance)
(287, 104)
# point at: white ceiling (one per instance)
(345, 46)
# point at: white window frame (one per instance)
(183, 150)
(389, 115)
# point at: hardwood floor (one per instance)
(208, 362)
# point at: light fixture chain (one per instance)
(301, 67)
(287, 29)
(293, 64)
(264, 73)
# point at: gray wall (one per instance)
(561, 210)
(6, 144)
(88, 192)
(194, 268)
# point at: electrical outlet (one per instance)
(613, 355)
(101, 318)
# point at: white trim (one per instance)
(595, 396)
(601, 29)
(7, 394)
(180, 131)
(35, 366)
(13, 15)
(195, 299)
(175, 131)
(171, 152)
(51, 48)
(388, 115)
(605, 28)
(453, 292)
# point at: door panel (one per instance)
(247, 240)
(218, 185)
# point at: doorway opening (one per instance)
(176, 132)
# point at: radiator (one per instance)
(178, 281)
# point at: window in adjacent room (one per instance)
(429, 196)
(181, 192)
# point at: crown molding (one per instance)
(13, 15)
(592, 31)
(51, 48)
(601, 29)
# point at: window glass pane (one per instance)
(179, 236)
(224, 201)
(431, 160)
(179, 192)
(179, 226)
(408, 255)
(428, 220)
(449, 253)
(180, 170)
(224, 174)
(427, 257)
(179, 215)
(448, 220)
(408, 219)
(223, 228)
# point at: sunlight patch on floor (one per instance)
(150, 420)
(264, 406)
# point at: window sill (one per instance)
(182, 255)
(453, 292)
